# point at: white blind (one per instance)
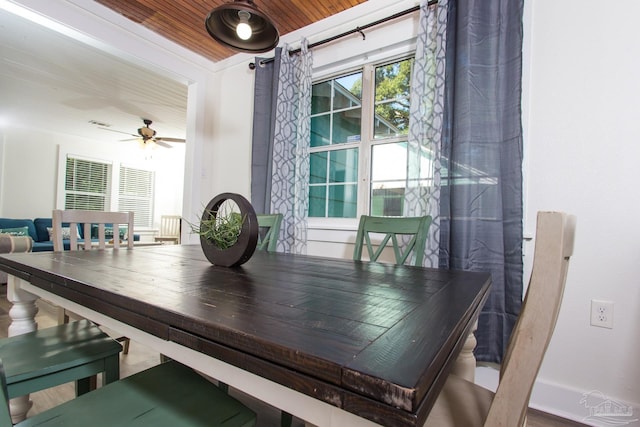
(87, 185)
(136, 194)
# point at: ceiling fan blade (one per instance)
(118, 131)
(170, 139)
(162, 144)
(131, 139)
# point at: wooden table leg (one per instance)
(22, 314)
(465, 365)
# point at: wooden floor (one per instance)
(140, 358)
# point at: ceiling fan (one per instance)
(146, 135)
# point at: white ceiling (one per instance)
(49, 81)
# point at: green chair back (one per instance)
(392, 228)
(270, 226)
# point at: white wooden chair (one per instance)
(89, 219)
(462, 403)
(170, 228)
(101, 220)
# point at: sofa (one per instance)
(38, 229)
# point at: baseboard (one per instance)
(590, 407)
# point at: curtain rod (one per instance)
(348, 33)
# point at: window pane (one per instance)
(389, 162)
(321, 130)
(393, 80)
(391, 119)
(387, 201)
(318, 167)
(388, 178)
(317, 200)
(392, 91)
(321, 98)
(325, 198)
(346, 126)
(348, 91)
(343, 201)
(336, 119)
(343, 165)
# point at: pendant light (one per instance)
(241, 26)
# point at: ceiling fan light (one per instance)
(146, 132)
(224, 24)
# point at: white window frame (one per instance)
(365, 145)
(115, 180)
(107, 195)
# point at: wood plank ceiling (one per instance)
(182, 21)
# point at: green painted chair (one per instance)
(392, 228)
(46, 358)
(269, 240)
(168, 394)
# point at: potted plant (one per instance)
(228, 238)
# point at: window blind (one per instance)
(87, 185)
(136, 194)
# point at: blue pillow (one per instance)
(108, 232)
(41, 228)
(43, 225)
(18, 231)
(19, 223)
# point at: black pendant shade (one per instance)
(221, 23)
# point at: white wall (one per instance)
(26, 194)
(582, 150)
(29, 173)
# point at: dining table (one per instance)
(334, 342)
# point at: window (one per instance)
(135, 194)
(87, 185)
(91, 185)
(358, 149)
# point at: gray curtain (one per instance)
(264, 101)
(481, 194)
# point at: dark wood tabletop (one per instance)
(373, 339)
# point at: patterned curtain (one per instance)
(422, 195)
(481, 196)
(290, 170)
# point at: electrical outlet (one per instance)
(602, 313)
